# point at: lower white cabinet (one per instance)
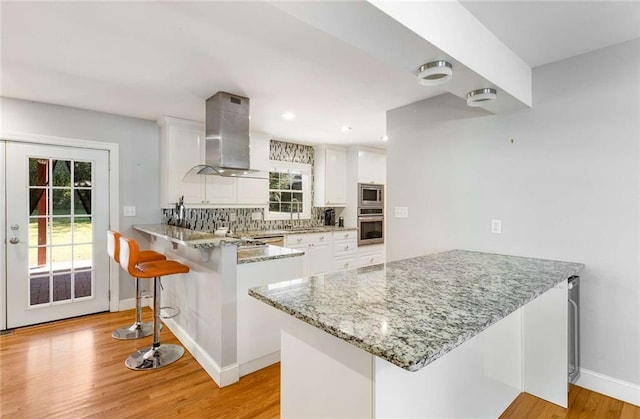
(326, 252)
(372, 254)
(317, 247)
(345, 250)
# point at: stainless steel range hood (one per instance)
(227, 138)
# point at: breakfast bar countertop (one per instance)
(263, 253)
(185, 236)
(411, 312)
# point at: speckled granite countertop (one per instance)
(185, 236)
(257, 234)
(264, 253)
(413, 311)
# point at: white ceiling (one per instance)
(148, 59)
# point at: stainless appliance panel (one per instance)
(574, 328)
(370, 230)
(370, 195)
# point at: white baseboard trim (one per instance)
(127, 304)
(612, 387)
(222, 376)
(258, 364)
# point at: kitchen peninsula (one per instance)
(226, 331)
(453, 334)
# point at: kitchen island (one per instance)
(226, 331)
(454, 334)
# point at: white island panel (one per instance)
(322, 376)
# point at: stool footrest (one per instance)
(169, 312)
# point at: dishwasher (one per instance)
(574, 328)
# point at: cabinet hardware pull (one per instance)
(346, 235)
(371, 260)
(346, 247)
(321, 237)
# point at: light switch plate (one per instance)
(128, 211)
(402, 212)
(496, 226)
(256, 216)
(232, 217)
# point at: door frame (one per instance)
(114, 203)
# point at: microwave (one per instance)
(370, 195)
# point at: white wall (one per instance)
(567, 188)
(138, 141)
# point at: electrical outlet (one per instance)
(402, 212)
(256, 216)
(496, 226)
(128, 211)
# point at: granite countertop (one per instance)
(185, 236)
(413, 311)
(282, 232)
(264, 253)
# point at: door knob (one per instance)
(14, 240)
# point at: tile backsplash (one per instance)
(208, 219)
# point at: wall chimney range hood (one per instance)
(227, 138)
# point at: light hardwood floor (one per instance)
(73, 369)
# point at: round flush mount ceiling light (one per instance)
(345, 128)
(481, 96)
(385, 138)
(435, 73)
(288, 116)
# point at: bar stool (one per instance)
(157, 355)
(139, 328)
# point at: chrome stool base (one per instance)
(135, 331)
(151, 358)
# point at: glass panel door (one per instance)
(57, 214)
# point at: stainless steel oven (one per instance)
(370, 226)
(370, 195)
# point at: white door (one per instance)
(57, 213)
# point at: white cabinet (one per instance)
(187, 137)
(326, 252)
(182, 147)
(345, 250)
(372, 167)
(330, 173)
(317, 247)
(371, 255)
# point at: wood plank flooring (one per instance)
(73, 368)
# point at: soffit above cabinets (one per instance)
(408, 34)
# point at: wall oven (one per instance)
(370, 195)
(370, 226)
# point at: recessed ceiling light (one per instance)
(385, 138)
(288, 116)
(435, 73)
(481, 96)
(345, 128)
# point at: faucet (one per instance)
(291, 212)
(180, 213)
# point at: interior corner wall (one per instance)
(563, 176)
(139, 154)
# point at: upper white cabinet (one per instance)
(182, 147)
(372, 167)
(330, 174)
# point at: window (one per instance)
(289, 191)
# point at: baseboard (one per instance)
(130, 303)
(612, 387)
(127, 304)
(222, 376)
(258, 364)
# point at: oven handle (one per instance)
(380, 218)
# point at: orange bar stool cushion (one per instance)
(113, 248)
(129, 256)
